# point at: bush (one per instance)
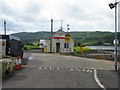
(79, 50)
(30, 47)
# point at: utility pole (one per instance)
(5, 27)
(61, 24)
(115, 38)
(51, 35)
(111, 5)
(67, 43)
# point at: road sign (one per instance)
(116, 41)
(67, 38)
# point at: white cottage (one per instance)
(59, 43)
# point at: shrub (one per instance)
(79, 50)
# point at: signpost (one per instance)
(67, 38)
(115, 41)
(114, 5)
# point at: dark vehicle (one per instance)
(13, 45)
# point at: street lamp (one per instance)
(111, 5)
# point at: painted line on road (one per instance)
(71, 69)
(56, 68)
(88, 70)
(98, 81)
(30, 58)
(91, 71)
(50, 68)
(40, 68)
(83, 70)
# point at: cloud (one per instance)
(34, 15)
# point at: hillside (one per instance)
(32, 37)
(85, 38)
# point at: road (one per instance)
(59, 71)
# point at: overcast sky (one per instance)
(35, 15)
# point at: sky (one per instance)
(35, 15)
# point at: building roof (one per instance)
(59, 32)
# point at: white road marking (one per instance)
(98, 81)
(53, 68)
(71, 69)
(57, 68)
(40, 68)
(83, 70)
(50, 68)
(30, 58)
(88, 70)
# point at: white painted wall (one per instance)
(61, 41)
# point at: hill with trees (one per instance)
(84, 38)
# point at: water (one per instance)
(103, 47)
(109, 48)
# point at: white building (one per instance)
(42, 43)
(59, 43)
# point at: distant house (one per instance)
(60, 44)
(42, 45)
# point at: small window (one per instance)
(66, 45)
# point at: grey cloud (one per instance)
(11, 25)
(30, 17)
(32, 8)
(7, 9)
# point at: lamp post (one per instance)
(111, 5)
(5, 27)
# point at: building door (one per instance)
(57, 47)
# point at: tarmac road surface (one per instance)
(59, 71)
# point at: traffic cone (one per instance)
(20, 63)
(17, 63)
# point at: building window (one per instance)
(66, 45)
